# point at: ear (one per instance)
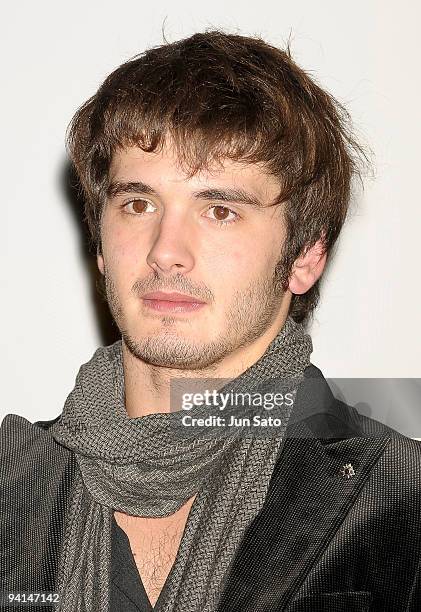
(307, 268)
(100, 260)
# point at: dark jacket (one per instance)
(328, 538)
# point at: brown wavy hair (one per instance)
(216, 96)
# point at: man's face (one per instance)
(211, 236)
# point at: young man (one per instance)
(217, 177)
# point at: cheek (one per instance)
(229, 259)
(253, 258)
(123, 259)
(235, 267)
(117, 238)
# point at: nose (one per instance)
(171, 251)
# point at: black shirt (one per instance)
(126, 589)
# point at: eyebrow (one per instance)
(237, 196)
(117, 188)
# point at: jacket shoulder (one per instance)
(23, 442)
(30, 457)
(329, 417)
(399, 468)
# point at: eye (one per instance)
(137, 206)
(221, 214)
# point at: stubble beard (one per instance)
(250, 314)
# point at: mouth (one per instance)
(172, 302)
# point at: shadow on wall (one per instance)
(108, 330)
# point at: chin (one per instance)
(172, 350)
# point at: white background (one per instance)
(55, 55)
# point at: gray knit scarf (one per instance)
(143, 467)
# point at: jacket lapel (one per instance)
(307, 500)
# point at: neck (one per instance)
(147, 387)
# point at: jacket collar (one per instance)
(308, 498)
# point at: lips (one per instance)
(171, 303)
(171, 297)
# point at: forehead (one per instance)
(163, 169)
